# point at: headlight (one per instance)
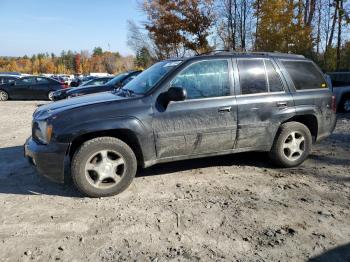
(42, 131)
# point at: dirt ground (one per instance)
(229, 208)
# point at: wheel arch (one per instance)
(125, 135)
(309, 120)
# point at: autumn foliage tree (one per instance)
(179, 26)
(69, 62)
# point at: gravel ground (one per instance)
(229, 208)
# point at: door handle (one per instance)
(225, 109)
(281, 104)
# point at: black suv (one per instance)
(185, 108)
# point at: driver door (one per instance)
(206, 121)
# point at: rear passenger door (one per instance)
(263, 102)
(41, 88)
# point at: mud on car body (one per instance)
(184, 108)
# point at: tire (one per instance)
(292, 145)
(50, 95)
(103, 166)
(345, 104)
(3, 95)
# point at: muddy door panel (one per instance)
(195, 127)
(259, 118)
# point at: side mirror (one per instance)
(176, 94)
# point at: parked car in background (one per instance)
(31, 87)
(5, 79)
(60, 79)
(341, 90)
(182, 109)
(117, 82)
(98, 81)
(81, 80)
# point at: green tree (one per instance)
(97, 51)
(143, 58)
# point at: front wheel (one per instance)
(292, 145)
(103, 166)
(3, 95)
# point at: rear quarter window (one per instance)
(304, 75)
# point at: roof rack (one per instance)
(271, 54)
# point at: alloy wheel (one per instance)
(105, 169)
(3, 96)
(51, 96)
(294, 146)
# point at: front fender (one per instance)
(143, 134)
(126, 123)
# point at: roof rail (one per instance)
(218, 51)
(230, 52)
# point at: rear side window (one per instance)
(41, 80)
(26, 81)
(252, 77)
(275, 82)
(305, 75)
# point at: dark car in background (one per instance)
(116, 83)
(5, 79)
(61, 79)
(31, 87)
(80, 81)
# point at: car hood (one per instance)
(63, 90)
(51, 109)
(82, 88)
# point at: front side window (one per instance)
(252, 77)
(204, 79)
(304, 75)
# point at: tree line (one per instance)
(318, 29)
(69, 62)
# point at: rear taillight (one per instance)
(334, 104)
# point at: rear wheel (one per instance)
(3, 95)
(50, 95)
(103, 166)
(292, 145)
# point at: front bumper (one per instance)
(49, 160)
(59, 96)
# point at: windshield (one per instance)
(150, 77)
(117, 79)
